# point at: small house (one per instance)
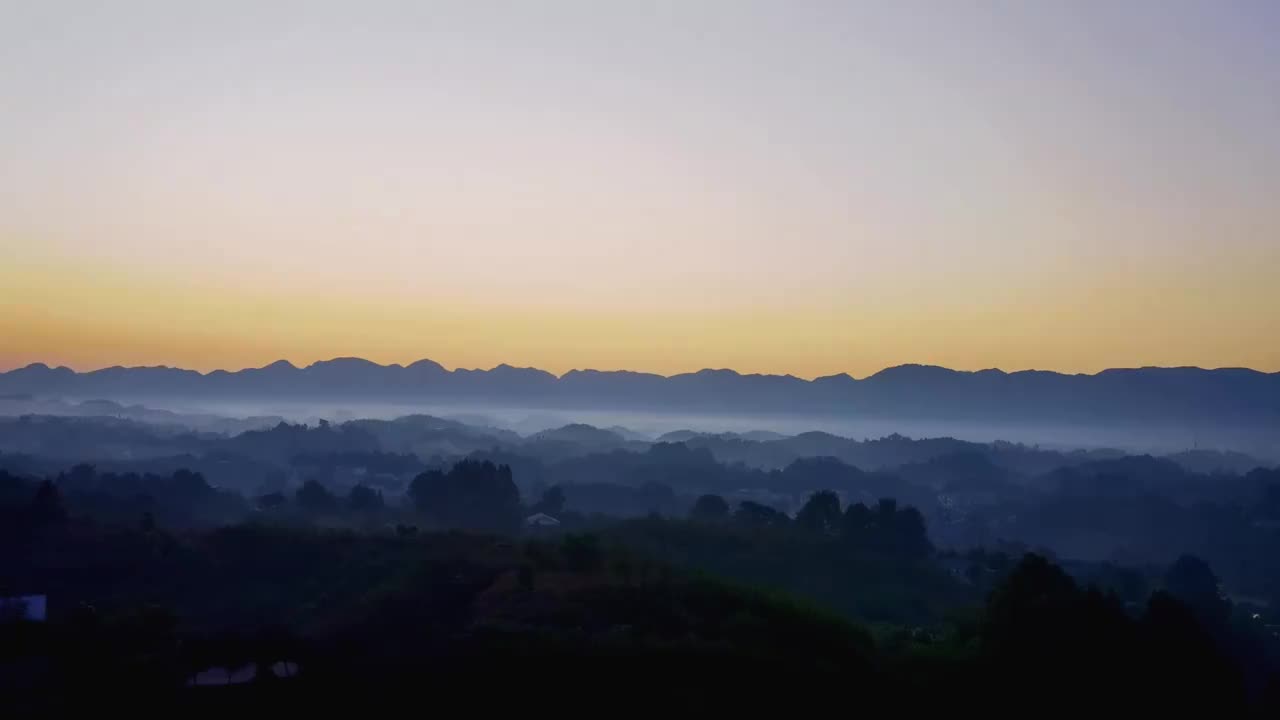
(541, 520)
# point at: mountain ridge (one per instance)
(1239, 396)
(432, 364)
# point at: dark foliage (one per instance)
(820, 514)
(314, 497)
(551, 503)
(364, 499)
(710, 508)
(472, 495)
(754, 514)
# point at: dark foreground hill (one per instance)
(362, 622)
(1228, 397)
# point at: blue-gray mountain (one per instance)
(1223, 397)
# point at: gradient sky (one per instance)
(793, 187)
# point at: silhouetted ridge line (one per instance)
(1230, 396)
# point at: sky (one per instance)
(786, 187)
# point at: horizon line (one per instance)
(560, 376)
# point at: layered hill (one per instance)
(1233, 397)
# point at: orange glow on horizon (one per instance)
(1061, 186)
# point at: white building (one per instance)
(541, 520)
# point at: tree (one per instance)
(1040, 625)
(856, 526)
(1193, 582)
(1269, 506)
(363, 498)
(190, 486)
(314, 497)
(710, 508)
(47, 507)
(908, 536)
(886, 529)
(821, 514)
(755, 514)
(1185, 656)
(427, 490)
(79, 478)
(473, 495)
(271, 501)
(552, 502)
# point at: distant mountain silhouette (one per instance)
(1186, 396)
